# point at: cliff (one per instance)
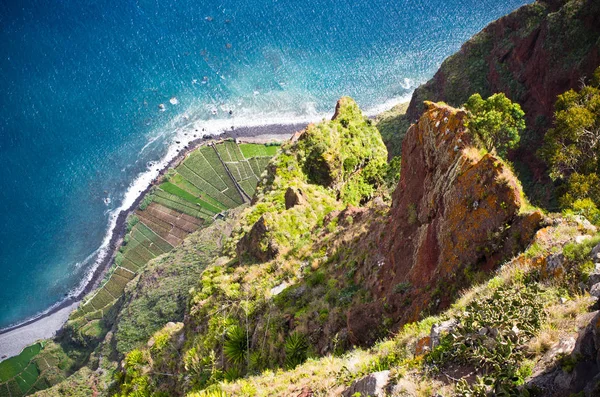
(532, 55)
(456, 211)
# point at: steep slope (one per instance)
(532, 55)
(457, 211)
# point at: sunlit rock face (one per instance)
(457, 210)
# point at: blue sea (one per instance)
(95, 93)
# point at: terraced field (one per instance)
(19, 375)
(211, 180)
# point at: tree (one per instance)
(496, 122)
(572, 148)
(573, 145)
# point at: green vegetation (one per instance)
(572, 148)
(496, 122)
(19, 374)
(187, 200)
(239, 329)
(251, 150)
(346, 151)
(494, 340)
(392, 126)
(296, 347)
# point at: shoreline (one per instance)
(50, 323)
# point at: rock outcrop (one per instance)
(532, 55)
(455, 211)
(519, 55)
(257, 244)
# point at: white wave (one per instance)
(387, 105)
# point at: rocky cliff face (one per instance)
(532, 55)
(456, 211)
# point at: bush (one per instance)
(572, 147)
(296, 348)
(492, 339)
(497, 122)
(236, 345)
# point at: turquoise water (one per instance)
(81, 84)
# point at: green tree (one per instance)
(573, 145)
(497, 122)
(572, 148)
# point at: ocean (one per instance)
(95, 94)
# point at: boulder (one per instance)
(257, 243)
(437, 330)
(553, 377)
(294, 197)
(594, 277)
(372, 385)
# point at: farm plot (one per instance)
(187, 196)
(188, 199)
(184, 184)
(205, 186)
(250, 150)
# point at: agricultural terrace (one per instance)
(209, 181)
(19, 375)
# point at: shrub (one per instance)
(573, 144)
(497, 122)
(296, 348)
(236, 345)
(571, 148)
(492, 339)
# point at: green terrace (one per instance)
(19, 375)
(209, 181)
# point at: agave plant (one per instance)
(296, 347)
(236, 345)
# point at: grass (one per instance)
(250, 150)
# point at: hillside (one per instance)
(203, 188)
(394, 256)
(532, 55)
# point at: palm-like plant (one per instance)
(296, 347)
(236, 345)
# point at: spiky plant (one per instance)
(296, 348)
(236, 345)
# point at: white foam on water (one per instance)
(387, 105)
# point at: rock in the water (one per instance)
(371, 385)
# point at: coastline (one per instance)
(13, 339)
